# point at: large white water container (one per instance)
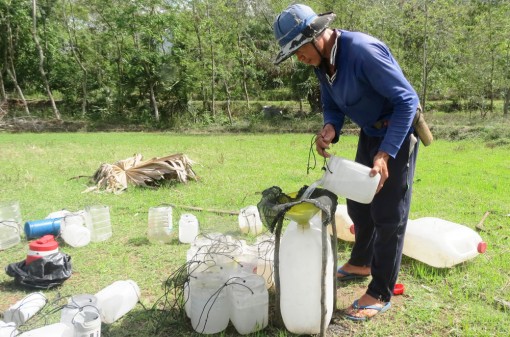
(188, 228)
(25, 308)
(52, 330)
(210, 308)
(350, 180)
(10, 224)
(117, 299)
(249, 303)
(344, 224)
(300, 277)
(441, 243)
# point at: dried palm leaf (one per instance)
(135, 171)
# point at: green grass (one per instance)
(455, 180)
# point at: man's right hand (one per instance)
(324, 138)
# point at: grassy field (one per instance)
(455, 180)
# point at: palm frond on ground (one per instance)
(137, 172)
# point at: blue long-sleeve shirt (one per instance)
(369, 86)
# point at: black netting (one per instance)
(274, 204)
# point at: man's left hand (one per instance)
(381, 167)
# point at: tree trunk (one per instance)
(243, 65)
(41, 60)
(78, 58)
(506, 104)
(228, 102)
(154, 102)
(9, 67)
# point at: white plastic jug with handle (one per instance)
(300, 277)
(249, 303)
(344, 224)
(117, 299)
(350, 180)
(25, 309)
(188, 228)
(441, 243)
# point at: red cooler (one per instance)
(41, 247)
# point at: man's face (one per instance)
(308, 55)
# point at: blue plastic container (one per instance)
(38, 228)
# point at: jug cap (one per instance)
(44, 244)
(398, 289)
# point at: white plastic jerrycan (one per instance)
(441, 243)
(249, 303)
(300, 277)
(350, 180)
(188, 228)
(344, 224)
(117, 299)
(249, 220)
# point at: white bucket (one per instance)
(344, 224)
(210, 308)
(117, 299)
(249, 220)
(160, 224)
(98, 222)
(441, 243)
(350, 180)
(300, 278)
(188, 228)
(249, 304)
(10, 224)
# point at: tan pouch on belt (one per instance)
(421, 127)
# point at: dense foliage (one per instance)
(158, 60)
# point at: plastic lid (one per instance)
(399, 289)
(44, 243)
(482, 247)
(351, 229)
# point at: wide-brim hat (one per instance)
(296, 26)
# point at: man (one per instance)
(360, 79)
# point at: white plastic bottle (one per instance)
(344, 224)
(117, 299)
(10, 224)
(25, 309)
(441, 243)
(249, 220)
(188, 228)
(300, 272)
(160, 224)
(350, 180)
(97, 219)
(249, 303)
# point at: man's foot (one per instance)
(350, 272)
(365, 308)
